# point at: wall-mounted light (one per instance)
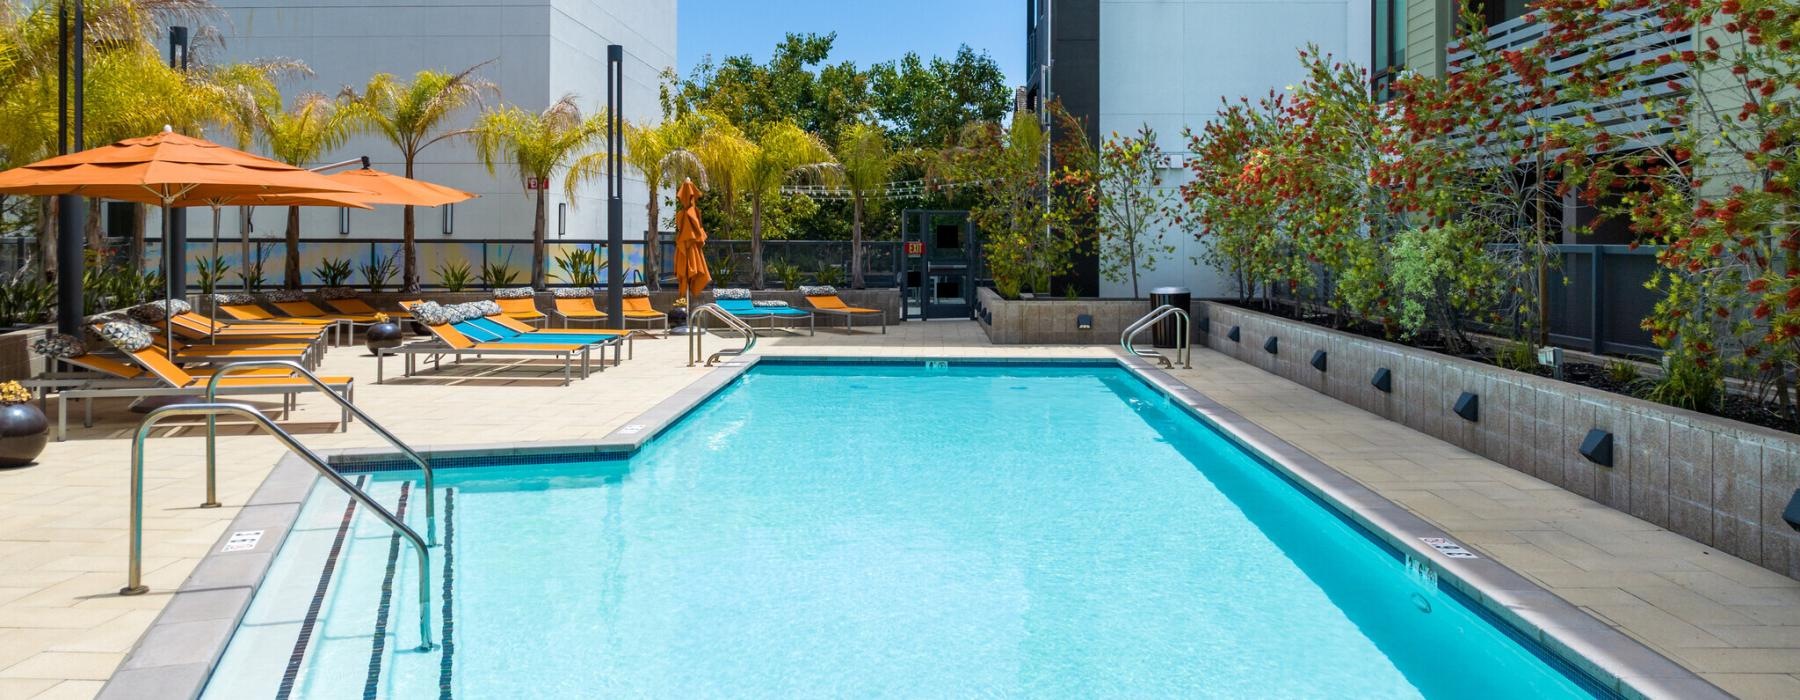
(562, 219)
(1084, 322)
(449, 218)
(1597, 447)
(344, 221)
(1468, 406)
(178, 48)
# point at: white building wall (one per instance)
(534, 51)
(1168, 63)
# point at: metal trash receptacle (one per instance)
(1167, 331)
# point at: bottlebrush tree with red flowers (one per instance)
(1339, 216)
(1477, 156)
(1709, 172)
(1229, 203)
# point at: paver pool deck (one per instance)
(64, 628)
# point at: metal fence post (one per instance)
(1597, 289)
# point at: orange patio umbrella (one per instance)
(691, 273)
(167, 170)
(386, 188)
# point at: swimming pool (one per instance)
(857, 529)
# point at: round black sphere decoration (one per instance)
(23, 433)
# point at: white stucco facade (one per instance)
(1168, 63)
(534, 51)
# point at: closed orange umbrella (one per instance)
(691, 273)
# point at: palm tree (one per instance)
(867, 162)
(660, 153)
(784, 151)
(412, 116)
(297, 136)
(538, 145)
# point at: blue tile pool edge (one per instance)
(1607, 657)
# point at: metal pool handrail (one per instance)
(212, 430)
(134, 584)
(695, 331)
(1184, 352)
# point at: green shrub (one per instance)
(829, 275)
(211, 273)
(1621, 372)
(1516, 356)
(453, 275)
(580, 267)
(1686, 383)
(380, 271)
(1441, 276)
(332, 272)
(788, 273)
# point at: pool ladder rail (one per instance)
(212, 408)
(697, 330)
(1184, 351)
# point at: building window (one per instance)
(1390, 45)
(1497, 11)
(1032, 11)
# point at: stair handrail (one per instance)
(212, 434)
(135, 576)
(1184, 351)
(696, 330)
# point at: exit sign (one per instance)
(537, 183)
(915, 248)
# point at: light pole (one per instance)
(175, 248)
(71, 211)
(615, 185)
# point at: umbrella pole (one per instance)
(244, 245)
(212, 315)
(171, 258)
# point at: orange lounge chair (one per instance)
(355, 306)
(524, 309)
(825, 301)
(639, 309)
(574, 309)
(172, 380)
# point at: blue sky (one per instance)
(869, 31)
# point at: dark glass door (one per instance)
(941, 264)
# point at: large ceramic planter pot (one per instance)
(23, 432)
(382, 336)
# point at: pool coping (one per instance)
(176, 655)
(1608, 656)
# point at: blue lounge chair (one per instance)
(488, 330)
(749, 311)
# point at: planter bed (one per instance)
(1719, 482)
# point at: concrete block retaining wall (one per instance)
(1052, 321)
(1718, 482)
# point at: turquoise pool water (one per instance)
(863, 530)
